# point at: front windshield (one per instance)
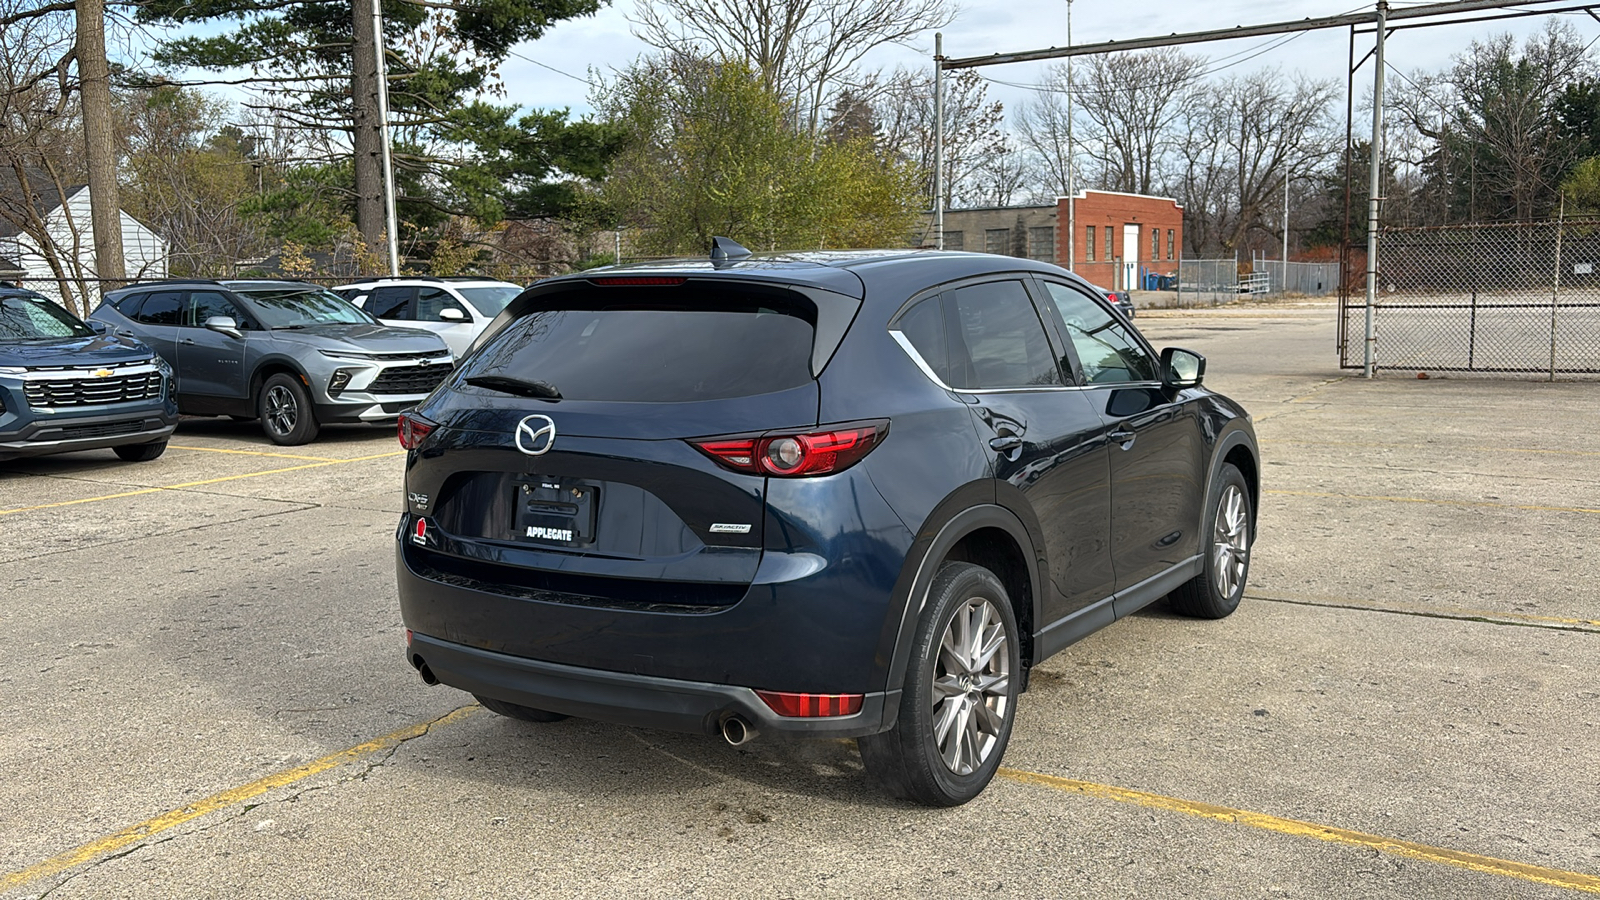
(30, 317)
(297, 307)
(490, 300)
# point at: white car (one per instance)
(456, 309)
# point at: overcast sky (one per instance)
(605, 41)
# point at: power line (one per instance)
(552, 68)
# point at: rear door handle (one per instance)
(1005, 442)
(188, 341)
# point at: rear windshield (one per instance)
(490, 300)
(656, 344)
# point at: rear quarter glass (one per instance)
(657, 344)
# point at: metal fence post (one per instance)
(1555, 296)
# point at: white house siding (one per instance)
(144, 252)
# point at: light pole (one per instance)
(938, 141)
(1284, 286)
(1072, 203)
(391, 218)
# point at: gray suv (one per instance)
(292, 354)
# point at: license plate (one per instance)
(555, 511)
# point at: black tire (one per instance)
(514, 711)
(909, 759)
(1216, 591)
(140, 452)
(284, 406)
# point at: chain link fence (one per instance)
(1214, 281)
(1482, 298)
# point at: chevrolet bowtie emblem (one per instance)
(103, 373)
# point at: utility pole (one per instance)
(1285, 285)
(366, 139)
(1072, 203)
(938, 141)
(1373, 184)
(105, 208)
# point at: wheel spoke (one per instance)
(945, 687)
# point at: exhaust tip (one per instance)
(428, 677)
(737, 732)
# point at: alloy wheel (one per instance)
(1230, 547)
(971, 686)
(282, 410)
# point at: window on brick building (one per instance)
(955, 240)
(997, 240)
(1155, 244)
(1111, 252)
(1170, 242)
(1088, 244)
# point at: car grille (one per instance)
(409, 379)
(109, 429)
(58, 393)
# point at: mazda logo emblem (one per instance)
(536, 435)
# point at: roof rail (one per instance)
(142, 282)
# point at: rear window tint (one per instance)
(657, 344)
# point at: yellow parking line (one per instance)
(192, 484)
(252, 453)
(1274, 441)
(223, 800)
(1577, 881)
(1483, 503)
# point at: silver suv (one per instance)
(292, 354)
(456, 309)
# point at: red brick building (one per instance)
(1121, 238)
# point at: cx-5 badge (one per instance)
(536, 435)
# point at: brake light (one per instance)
(796, 454)
(811, 706)
(412, 428)
(638, 280)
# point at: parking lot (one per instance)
(207, 696)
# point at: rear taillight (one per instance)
(412, 428)
(811, 706)
(796, 454)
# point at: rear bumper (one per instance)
(65, 434)
(642, 701)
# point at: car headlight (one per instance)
(340, 379)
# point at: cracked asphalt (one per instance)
(206, 694)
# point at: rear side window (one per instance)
(1003, 337)
(657, 344)
(433, 301)
(923, 326)
(162, 308)
(390, 302)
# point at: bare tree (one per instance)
(41, 146)
(972, 132)
(1131, 101)
(94, 72)
(804, 50)
(1240, 140)
(1041, 125)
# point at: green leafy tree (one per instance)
(711, 150)
(312, 64)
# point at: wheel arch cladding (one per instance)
(996, 550)
(988, 535)
(271, 367)
(1242, 459)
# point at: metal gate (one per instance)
(1482, 298)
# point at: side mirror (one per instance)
(451, 314)
(1182, 368)
(224, 325)
(97, 326)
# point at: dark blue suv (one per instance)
(64, 387)
(823, 495)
